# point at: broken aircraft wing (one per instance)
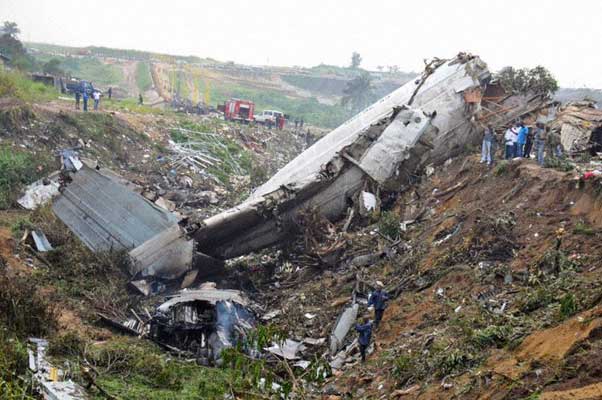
(426, 120)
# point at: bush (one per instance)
(388, 225)
(568, 306)
(501, 168)
(582, 228)
(129, 358)
(23, 311)
(535, 299)
(13, 366)
(493, 335)
(405, 369)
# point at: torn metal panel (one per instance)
(211, 296)
(342, 327)
(167, 255)
(287, 349)
(106, 215)
(41, 241)
(40, 192)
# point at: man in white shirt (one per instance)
(96, 97)
(510, 138)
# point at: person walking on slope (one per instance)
(85, 97)
(540, 137)
(378, 299)
(365, 333)
(78, 96)
(521, 140)
(510, 138)
(487, 147)
(96, 97)
(140, 100)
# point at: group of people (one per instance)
(519, 141)
(378, 300)
(85, 96)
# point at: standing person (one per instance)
(85, 98)
(555, 144)
(96, 97)
(510, 140)
(378, 299)
(110, 92)
(521, 139)
(529, 143)
(78, 96)
(540, 137)
(296, 123)
(487, 147)
(365, 333)
(140, 100)
(308, 138)
(301, 123)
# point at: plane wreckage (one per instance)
(426, 121)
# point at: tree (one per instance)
(380, 68)
(525, 80)
(393, 69)
(53, 67)
(11, 29)
(356, 60)
(359, 92)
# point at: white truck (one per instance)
(268, 117)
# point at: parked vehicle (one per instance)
(238, 110)
(76, 85)
(269, 117)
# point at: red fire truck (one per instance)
(239, 110)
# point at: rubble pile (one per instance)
(492, 274)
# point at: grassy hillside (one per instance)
(143, 77)
(87, 67)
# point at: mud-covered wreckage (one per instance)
(426, 121)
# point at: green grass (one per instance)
(17, 85)
(88, 68)
(309, 109)
(18, 168)
(143, 77)
(582, 228)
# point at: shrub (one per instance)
(23, 311)
(388, 225)
(582, 228)
(568, 306)
(501, 168)
(493, 335)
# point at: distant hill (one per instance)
(313, 94)
(574, 94)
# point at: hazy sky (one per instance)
(564, 36)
